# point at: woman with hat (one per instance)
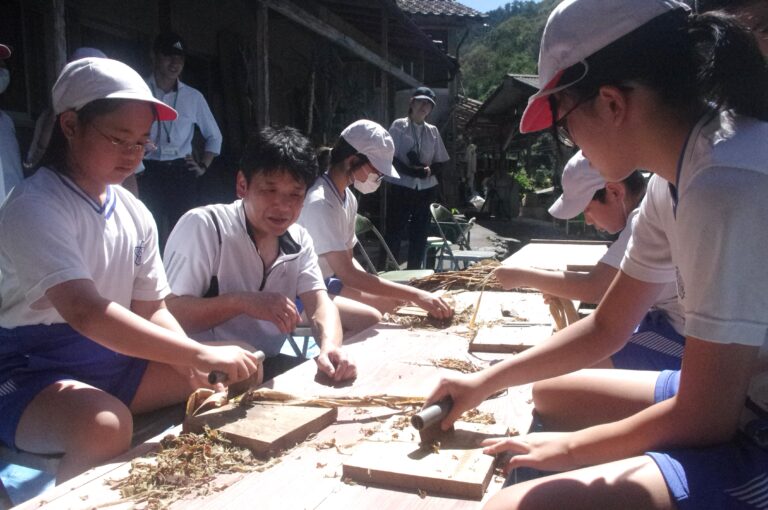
(361, 157)
(85, 337)
(647, 84)
(419, 158)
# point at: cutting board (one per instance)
(458, 468)
(264, 428)
(509, 338)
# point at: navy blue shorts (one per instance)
(655, 345)
(733, 475)
(34, 357)
(334, 287)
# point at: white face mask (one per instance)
(5, 79)
(369, 185)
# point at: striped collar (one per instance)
(331, 185)
(106, 209)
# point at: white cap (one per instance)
(372, 140)
(575, 30)
(5, 52)
(85, 52)
(580, 181)
(89, 79)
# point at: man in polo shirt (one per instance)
(235, 269)
(168, 185)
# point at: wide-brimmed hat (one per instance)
(580, 182)
(89, 79)
(374, 142)
(575, 30)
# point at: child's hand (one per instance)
(508, 277)
(466, 391)
(435, 305)
(548, 451)
(273, 307)
(236, 362)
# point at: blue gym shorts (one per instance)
(733, 475)
(655, 345)
(333, 285)
(34, 357)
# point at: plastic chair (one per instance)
(458, 238)
(393, 272)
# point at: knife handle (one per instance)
(432, 414)
(217, 376)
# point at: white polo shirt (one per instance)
(330, 219)
(51, 232)
(715, 241)
(193, 255)
(426, 137)
(667, 301)
(174, 137)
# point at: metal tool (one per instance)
(217, 376)
(427, 421)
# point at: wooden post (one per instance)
(262, 65)
(59, 36)
(384, 110)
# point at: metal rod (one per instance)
(432, 414)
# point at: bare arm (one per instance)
(200, 314)
(326, 327)
(343, 266)
(126, 332)
(587, 287)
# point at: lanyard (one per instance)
(166, 125)
(417, 140)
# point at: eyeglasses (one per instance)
(125, 146)
(364, 161)
(562, 126)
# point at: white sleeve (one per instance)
(39, 238)
(649, 255)
(208, 126)
(191, 254)
(722, 244)
(617, 249)
(310, 276)
(441, 154)
(326, 226)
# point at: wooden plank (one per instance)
(556, 255)
(456, 468)
(509, 337)
(264, 428)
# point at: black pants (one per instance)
(168, 189)
(408, 210)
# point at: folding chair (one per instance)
(455, 240)
(393, 273)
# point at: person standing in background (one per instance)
(419, 157)
(10, 156)
(169, 181)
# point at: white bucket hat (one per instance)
(89, 79)
(372, 140)
(580, 182)
(575, 30)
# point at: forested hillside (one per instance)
(510, 44)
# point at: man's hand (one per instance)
(335, 364)
(194, 166)
(273, 307)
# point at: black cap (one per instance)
(425, 93)
(169, 43)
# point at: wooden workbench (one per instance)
(558, 255)
(390, 360)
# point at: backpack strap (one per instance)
(213, 286)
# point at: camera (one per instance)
(413, 158)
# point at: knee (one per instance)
(544, 394)
(104, 432)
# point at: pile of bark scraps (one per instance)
(427, 321)
(185, 466)
(471, 278)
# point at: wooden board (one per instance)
(509, 338)
(264, 428)
(458, 468)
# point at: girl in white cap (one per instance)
(361, 158)
(645, 84)
(85, 338)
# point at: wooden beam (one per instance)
(262, 63)
(306, 19)
(59, 36)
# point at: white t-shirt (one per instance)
(330, 220)
(193, 256)
(667, 301)
(715, 244)
(424, 139)
(51, 232)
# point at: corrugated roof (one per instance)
(438, 8)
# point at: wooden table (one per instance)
(390, 360)
(558, 255)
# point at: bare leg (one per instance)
(634, 483)
(355, 315)
(161, 386)
(589, 397)
(87, 425)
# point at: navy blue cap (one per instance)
(425, 93)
